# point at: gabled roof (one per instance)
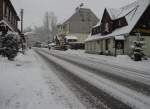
(123, 11)
(84, 10)
(4, 23)
(132, 13)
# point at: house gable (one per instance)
(108, 25)
(81, 21)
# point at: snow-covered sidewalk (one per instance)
(27, 83)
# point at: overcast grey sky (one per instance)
(34, 10)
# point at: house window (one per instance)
(12, 19)
(15, 22)
(96, 30)
(88, 17)
(9, 14)
(119, 23)
(5, 10)
(9, 17)
(107, 42)
(83, 19)
(82, 16)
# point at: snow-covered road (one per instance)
(129, 77)
(57, 80)
(28, 83)
(125, 94)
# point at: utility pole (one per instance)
(21, 13)
(22, 35)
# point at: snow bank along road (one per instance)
(115, 87)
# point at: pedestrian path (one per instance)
(22, 85)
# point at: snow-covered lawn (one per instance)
(120, 60)
(28, 83)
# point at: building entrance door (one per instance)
(119, 46)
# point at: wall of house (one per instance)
(1, 9)
(99, 46)
(147, 46)
(89, 47)
(80, 27)
(82, 21)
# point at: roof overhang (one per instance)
(6, 25)
(121, 37)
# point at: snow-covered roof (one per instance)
(83, 10)
(10, 32)
(1, 21)
(51, 44)
(5, 23)
(132, 13)
(123, 11)
(71, 37)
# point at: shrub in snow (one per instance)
(9, 46)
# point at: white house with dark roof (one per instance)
(120, 28)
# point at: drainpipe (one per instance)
(115, 47)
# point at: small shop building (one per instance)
(120, 28)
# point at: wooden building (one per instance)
(120, 28)
(8, 17)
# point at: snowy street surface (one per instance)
(127, 84)
(44, 79)
(121, 60)
(28, 83)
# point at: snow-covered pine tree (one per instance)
(10, 46)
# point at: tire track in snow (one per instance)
(99, 94)
(124, 78)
